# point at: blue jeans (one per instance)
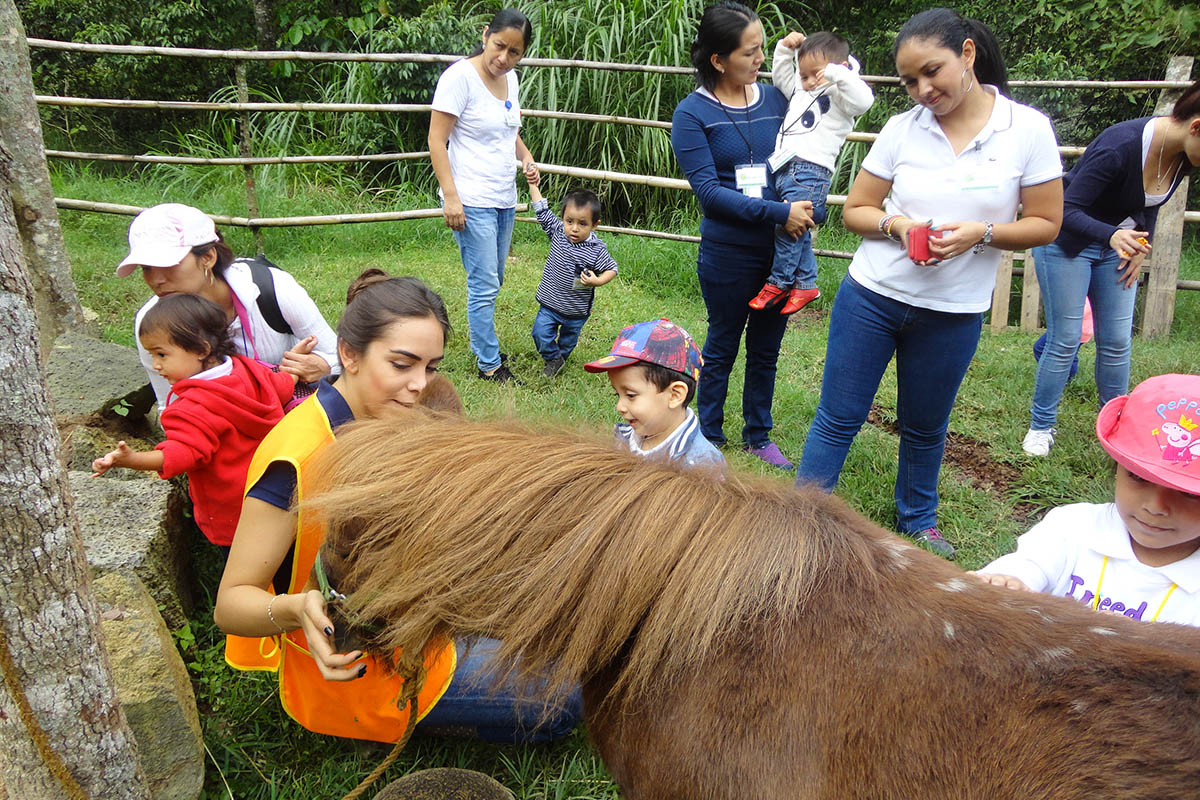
(933, 350)
(1065, 283)
(729, 276)
(795, 264)
(555, 335)
(474, 707)
(483, 244)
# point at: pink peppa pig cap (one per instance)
(163, 235)
(1154, 431)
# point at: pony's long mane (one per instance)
(569, 550)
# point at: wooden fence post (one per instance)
(1031, 295)
(247, 150)
(1168, 232)
(1000, 295)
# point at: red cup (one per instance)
(918, 242)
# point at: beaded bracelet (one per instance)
(271, 616)
(885, 226)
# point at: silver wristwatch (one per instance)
(986, 240)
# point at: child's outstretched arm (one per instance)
(783, 64)
(124, 457)
(535, 193)
(1003, 581)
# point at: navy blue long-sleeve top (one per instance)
(709, 142)
(1105, 187)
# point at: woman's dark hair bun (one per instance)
(369, 277)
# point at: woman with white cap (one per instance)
(180, 250)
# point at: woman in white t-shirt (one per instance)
(473, 141)
(957, 165)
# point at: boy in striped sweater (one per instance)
(576, 264)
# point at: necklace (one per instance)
(1158, 173)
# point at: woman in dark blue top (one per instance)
(1110, 204)
(722, 135)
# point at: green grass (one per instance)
(263, 755)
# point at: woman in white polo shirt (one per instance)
(959, 163)
(473, 144)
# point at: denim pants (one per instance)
(483, 244)
(731, 274)
(474, 706)
(1065, 283)
(795, 264)
(554, 334)
(933, 350)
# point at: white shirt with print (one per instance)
(1082, 550)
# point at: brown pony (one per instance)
(743, 639)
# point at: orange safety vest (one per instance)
(364, 708)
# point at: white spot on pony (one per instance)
(953, 585)
(1051, 654)
(1104, 631)
(1037, 612)
(1079, 706)
(949, 629)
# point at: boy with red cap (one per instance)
(1139, 555)
(653, 368)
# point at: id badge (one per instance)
(750, 178)
(780, 159)
(512, 117)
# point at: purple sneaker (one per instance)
(769, 453)
(932, 539)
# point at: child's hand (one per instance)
(793, 40)
(1003, 581)
(589, 278)
(109, 460)
(301, 363)
(532, 176)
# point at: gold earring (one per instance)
(210, 277)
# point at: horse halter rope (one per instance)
(413, 675)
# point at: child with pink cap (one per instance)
(1139, 555)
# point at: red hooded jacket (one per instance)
(213, 428)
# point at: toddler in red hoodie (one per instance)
(219, 408)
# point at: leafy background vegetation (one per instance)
(988, 497)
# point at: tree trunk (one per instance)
(55, 299)
(62, 731)
(265, 29)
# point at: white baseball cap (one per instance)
(163, 235)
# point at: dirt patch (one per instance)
(811, 314)
(972, 458)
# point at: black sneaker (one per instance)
(500, 375)
(554, 366)
(932, 539)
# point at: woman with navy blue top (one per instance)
(722, 135)
(1110, 205)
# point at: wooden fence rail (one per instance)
(1162, 268)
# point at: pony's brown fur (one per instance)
(742, 639)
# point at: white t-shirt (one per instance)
(483, 142)
(1015, 149)
(297, 308)
(1082, 550)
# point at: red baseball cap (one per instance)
(657, 341)
(1154, 431)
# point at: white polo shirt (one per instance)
(483, 141)
(1015, 149)
(1082, 550)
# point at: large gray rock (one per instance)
(86, 377)
(153, 687)
(83, 444)
(137, 526)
